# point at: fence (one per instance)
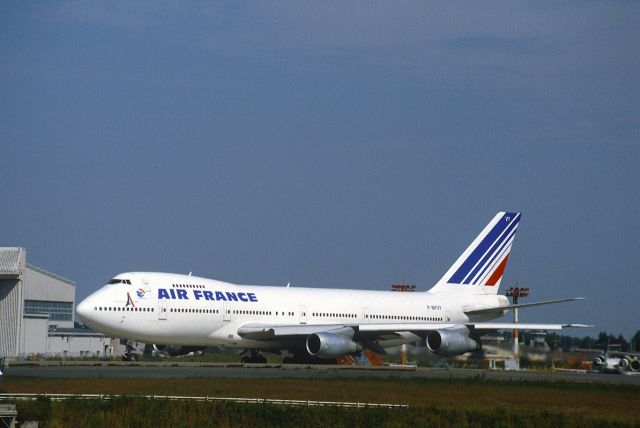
(275, 401)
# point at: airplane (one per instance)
(315, 325)
(616, 362)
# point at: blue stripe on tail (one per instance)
(494, 250)
(495, 255)
(508, 220)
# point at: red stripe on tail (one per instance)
(493, 280)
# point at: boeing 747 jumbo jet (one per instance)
(315, 324)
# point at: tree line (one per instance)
(603, 341)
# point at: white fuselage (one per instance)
(175, 309)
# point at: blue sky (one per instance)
(331, 144)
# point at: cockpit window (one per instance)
(120, 281)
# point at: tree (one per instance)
(624, 345)
(636, 341)
(603, 340)
(552, 340)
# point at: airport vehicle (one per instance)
(315, 324)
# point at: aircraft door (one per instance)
(365, 313)
(162, 309)
(226, 312)
(303, 314)
(447, 316)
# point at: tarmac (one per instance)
(277, 371)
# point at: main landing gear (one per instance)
(254, 358)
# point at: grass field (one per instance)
(474, 402)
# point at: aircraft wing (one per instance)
(267, 332)
(621, 353)
(371, 331)
(273, 332)
(426, 327)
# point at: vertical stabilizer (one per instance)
(480, 268)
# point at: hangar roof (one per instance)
(11, 261)
(51, 274)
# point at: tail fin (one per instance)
(480, 267)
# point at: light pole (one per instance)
(403, 288)
(515, 293)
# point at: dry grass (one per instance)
(614, 402)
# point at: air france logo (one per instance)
(129, 301)
(140, 293)
(227, 296)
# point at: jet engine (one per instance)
(451, 342)
(176, 350)
(330, 345)
(624, 362)
(634, 365)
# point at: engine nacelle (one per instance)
(451, 342)
(624, 362)
(176, 350)
(330, 345)
(599, 360)
(634, 365)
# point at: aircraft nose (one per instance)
(83, 310)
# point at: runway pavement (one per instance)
(187, 370)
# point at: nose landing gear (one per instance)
(130, 353)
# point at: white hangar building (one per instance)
(37, 313)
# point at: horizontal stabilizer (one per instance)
(518, 306)
(523, 326)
